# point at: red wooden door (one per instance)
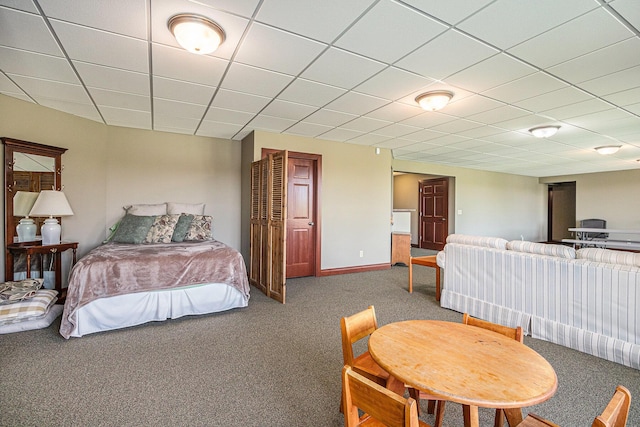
(434, 211)
(301, 221)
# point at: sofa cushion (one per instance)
(542, 249)
(609, 256)
(485, 242)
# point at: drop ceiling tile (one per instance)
(322, 21)
(239, 7)
(308, 129)
(172, 123)
(524, 123)
(481, 132)
(368, 139)
(473, 104)
(393, 84)
(397, 130)
(98, 76)
(270, 124)
(612, 59)
(329, 117)
(366, 37)
(457, 126)
(36, 65)
(555, 99)
(39, 88)
(483, 76)
(527, 87)
(365, 124)
(288, 110)
(255, 81)
(88, 111)
(506, 23)
(17, 95)
(499, 114)
(127, 101)
(262, 48)
(234, 26)
(168, 108)
(451, 11)
(395, 111)
(232, 100)
(179, 64)
(126, 118)
(6, 85)
(578, 109)
(614, 82)
(340, 134)
(221, 115)
(356, 103)
(625, 97)
(428, 119)
(103, 48)
(423, 135)
(182, 91)
(19, 4)
(447, 54)
(330, 68)
(630, 9)
(218, 130)
(127, 17)
(310, 93)
(394, 144)
(570, 40)
(40, 40)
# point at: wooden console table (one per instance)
(36, 248)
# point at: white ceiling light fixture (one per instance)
(196, 33)
(434, 100)
(608, 149)
(544, 131)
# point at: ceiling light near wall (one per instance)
(607, 149)
(435, 100)
(544, 131)
(196, 33)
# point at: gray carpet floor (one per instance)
(265, 365)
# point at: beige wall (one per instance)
(355, 197)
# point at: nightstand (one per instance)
(37, 248)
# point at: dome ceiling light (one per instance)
(196, 33)
(544, 131)
(435, 100)
(608, 149)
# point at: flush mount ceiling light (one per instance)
(435, 100)
(544, 131)
(196, 33)
(608, 149)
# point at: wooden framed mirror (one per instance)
(28, 168)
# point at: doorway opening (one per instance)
(561, 211)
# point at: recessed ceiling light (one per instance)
(196, 33)
(434, 100)
(544, 131)
(608, 149)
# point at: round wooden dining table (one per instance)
(465, 364)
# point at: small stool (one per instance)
(427, 261)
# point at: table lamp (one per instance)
(51, 203)
(22, 203)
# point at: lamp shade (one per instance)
(51, 203)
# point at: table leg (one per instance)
(471, 418)
(410, 276)
(514, 416)
(29, 266)
(437, 283)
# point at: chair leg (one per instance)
(499, 422)
(415, 395)
(439, 413)
(431, 406)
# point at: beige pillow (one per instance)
(186, 208)
(146, 210)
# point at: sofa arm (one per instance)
(440, 259)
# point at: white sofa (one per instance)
(588, 299)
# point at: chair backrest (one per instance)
(377, 402)
(515, 333)
(617, 411)
(354, 328)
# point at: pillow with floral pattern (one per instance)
(200, 228)
(162, 228)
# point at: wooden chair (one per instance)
(354, 328)
(614, 415)
(515, 333)
(382, 407)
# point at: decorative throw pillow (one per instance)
(133, 229)
(200, 228)
(162, 229)
(146, 210)
(185, 208)
(182, 227)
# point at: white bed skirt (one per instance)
(122, 311)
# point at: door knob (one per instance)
(311, 223)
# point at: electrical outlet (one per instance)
(361, 254)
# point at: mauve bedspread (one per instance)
(117, 269)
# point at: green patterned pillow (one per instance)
(180, 232)
(133, 229)
(162, 229)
